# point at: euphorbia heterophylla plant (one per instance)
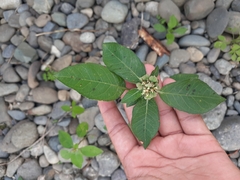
(97, 82)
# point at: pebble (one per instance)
(7, 31)
(114, 12)
(178, 56)
(18, 115)
(29, 170)
(195, 10)
(161, 61)
(6, 89)
(10, 75)
(25, 53)
(43, 161)
(13, 166)
(84, 4)
(42, 6)
(223, 66)
(187, 69)
(88, 116)
(233, 27)
(22, 18)
(223, 3)
(44, 95)
(3, 154)
(151, 58)
(40, 120)
(152, 8)
(201, 67)
(108, 162)
(167, 8)
(99, 123)
(22, 93)
(57, 111)
(63, 95)
(214, 118)
(195, 54)
(93, 135)
(40, 110)
(8, 51)
(42, 20)
(75, 96)
(193, 40)
(104, 140)
(213, 55)
(76, 21)
(227, 134)
(54, 143)
(235, 5)
(179, 3)
(50, 155)
(66, 8)
(33, 70)
(62, 62)
(142, 52)
(59, 18)
(217, 22)
(10, 4)
(13, 20)
(87, 37)
(119, 174)
(88, 12)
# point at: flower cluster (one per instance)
(149, 86)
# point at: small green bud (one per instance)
(145, 77)
(153, 79)
(139, 86)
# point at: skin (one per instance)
(183, 149)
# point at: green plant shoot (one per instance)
(173, 27)
(94, 81)
(74, 109)
(72, 151)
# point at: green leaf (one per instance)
(235, 47)
(65, 139)
(20, 178)
(238, 59)
(74, 103)
(92, 81)
(222, 38)
(170, 38)
(66, 108)
(173, 22)
(155, 72)
(65, 154)
(145, 120)
(82, 129)
(77, 159)
(238, 52)
(159, 28)
(218, 44)
(90, 151)
(77, 110)
(234, 57)
(131, 97)
(123, 62)
(180, 30)
(180, 77)
(223, 46)
(190, 95)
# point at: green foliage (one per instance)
(188, 93)
(171, 29)
(74, 109)
(48, 75)
(72, 151)
(222, 43)
(20, 178)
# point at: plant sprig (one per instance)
(173, 27)
(94, 81)
(74, 109)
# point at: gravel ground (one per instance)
(29, 105)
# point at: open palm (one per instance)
(183, 149)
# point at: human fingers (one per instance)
(119, 132)
(192, 124)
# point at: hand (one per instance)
(183, 149)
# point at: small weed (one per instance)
(73, 109)
(172, 28)
(48, 75)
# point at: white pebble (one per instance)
(87, 37)
(55, 51)
(50, 155)
(75, 96)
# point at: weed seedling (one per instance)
(72, 151)
(171, 29)
(74, 110)
(95, 81)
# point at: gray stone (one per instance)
(18, 115)
(233, 26)
(59, 18)
(54, 143)
(44, 95)
(10, 4)
(8, 51)
(114, 12)
(6, 89)
(108, 163)
(195, 10)
(142, 52)
(22, 8)
(84, 4)
(214, 118)
(50, 26)
(50, 155)
(88, 116)
(66, 8)
(87, 103)
(92, 136)
(40, 120)
(216, 86)
(178, 56)
(152, 8)
(228, 133)
(119, 174)
(167, 8)
(179, 3)
(13, 20)
(25, 53)
(10, 76)
(187, 69)
(87, 37)
(42, 20)
(237, 106)
(22, 93)
(235, 5)
(22, 18)
(29, 170)
(57, 111)
(40, 110)
(32, 39)
(76, 21)
(223, 66)
(45, 43)
(104, 140)
(61, 86)
(17, 39)
(32, 73)
(193, 40)
(3, 154)
(213, 55)
(62, 62)
(7, 31)
(99, 123)
(13, 166)
(195, 54)
(4, 117)
(7, 14)
(43, 6)
(43, 161)
(161, 61)
(223, 3)
(217, 21)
